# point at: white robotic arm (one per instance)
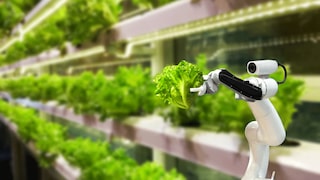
(267, 130)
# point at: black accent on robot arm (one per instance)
(240, 86)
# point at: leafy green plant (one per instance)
(78, 22)
(221, 112)
(48, 133)
(21, 87)
(86, 18)
(150, 3)
(51, 37)
(45, 135)
(82, 90)
(287, 97)
(12, 12)
(46, 36)
(17, 51)
(130, 92)
(174, 83)
(107, 168)
(94, 158)
(151, 171)
(116, 166)
(84, 152)
(51, 87)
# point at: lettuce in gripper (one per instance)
(174, 82)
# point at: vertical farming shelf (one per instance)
(214, 150)
(38, 14)
(181, 11)
(144, 24)
(219, 151)
(60, 166)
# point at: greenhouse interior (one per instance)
(159, 89)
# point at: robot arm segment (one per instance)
(246, 89)
(250, 91)
(267, 129)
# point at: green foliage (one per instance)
(81, 91)
(51, 37)
(85, 18)
(150, 3)
(46, 87)
(131, 92)
(221, 112)
(2, 58)
(287, 96)
(108, 168)
(10, 15)
(115, 167)
(50, 87)
(175, 81)
(15, 52)
(45, 135)
(78, 22)
(122, 96)
(94, 158)
(92, 93)
(84, 152)
(44, 37)
(151, 171)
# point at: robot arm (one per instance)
(241, 87)
(251, 89)
(267, 130)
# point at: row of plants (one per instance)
(220, 111)
(95, 159)
(77, 22)
(12, 12)
(150, 4)
(131, 92)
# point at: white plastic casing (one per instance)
(262, 67)
(268, 86)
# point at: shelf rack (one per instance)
(60, 166)
(219, 151)
(206, 15)
(144, 24)
(184, 12)
(38, 14)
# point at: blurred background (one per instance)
(68, 38)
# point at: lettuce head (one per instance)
(174, 82)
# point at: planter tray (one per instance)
(224, 152)
(60, 165)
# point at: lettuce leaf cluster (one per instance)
(174, 82)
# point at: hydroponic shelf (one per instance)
(38, 14)
(60, 165)
(219, 151)
(190, 16)
(145, 23)
(179, 12)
